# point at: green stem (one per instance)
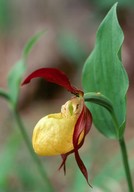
(126, 164)
(4, 94)
(34, 156)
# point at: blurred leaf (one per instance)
(14, 80)
(107, 173)
(4, 94)
(29, 181)
(71, 48)
(79, 183)
(100, 171)
(16, 74)
(7, 159)
(30, 44)
(5, 15)
(103, 72)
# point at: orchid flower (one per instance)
(62, 133)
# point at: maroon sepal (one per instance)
(83, 124)
(53, 75)
(63, 164)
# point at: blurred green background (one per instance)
(70, 36)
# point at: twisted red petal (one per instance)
(53, 75)
(83, 124)
(88, 120)
(63, 164)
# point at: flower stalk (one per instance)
(126, 164)
(99, 99)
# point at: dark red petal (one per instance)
(83, 124)
(55, 76)
(63, 164)
(88, 120)
(64, 157)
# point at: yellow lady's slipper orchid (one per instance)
(62, 133)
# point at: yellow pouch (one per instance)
(53, 134)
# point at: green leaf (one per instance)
(99, 99)
(103, 101)
(14, 80)
(30, 44)
(103, 72)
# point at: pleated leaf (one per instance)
(103, 72)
